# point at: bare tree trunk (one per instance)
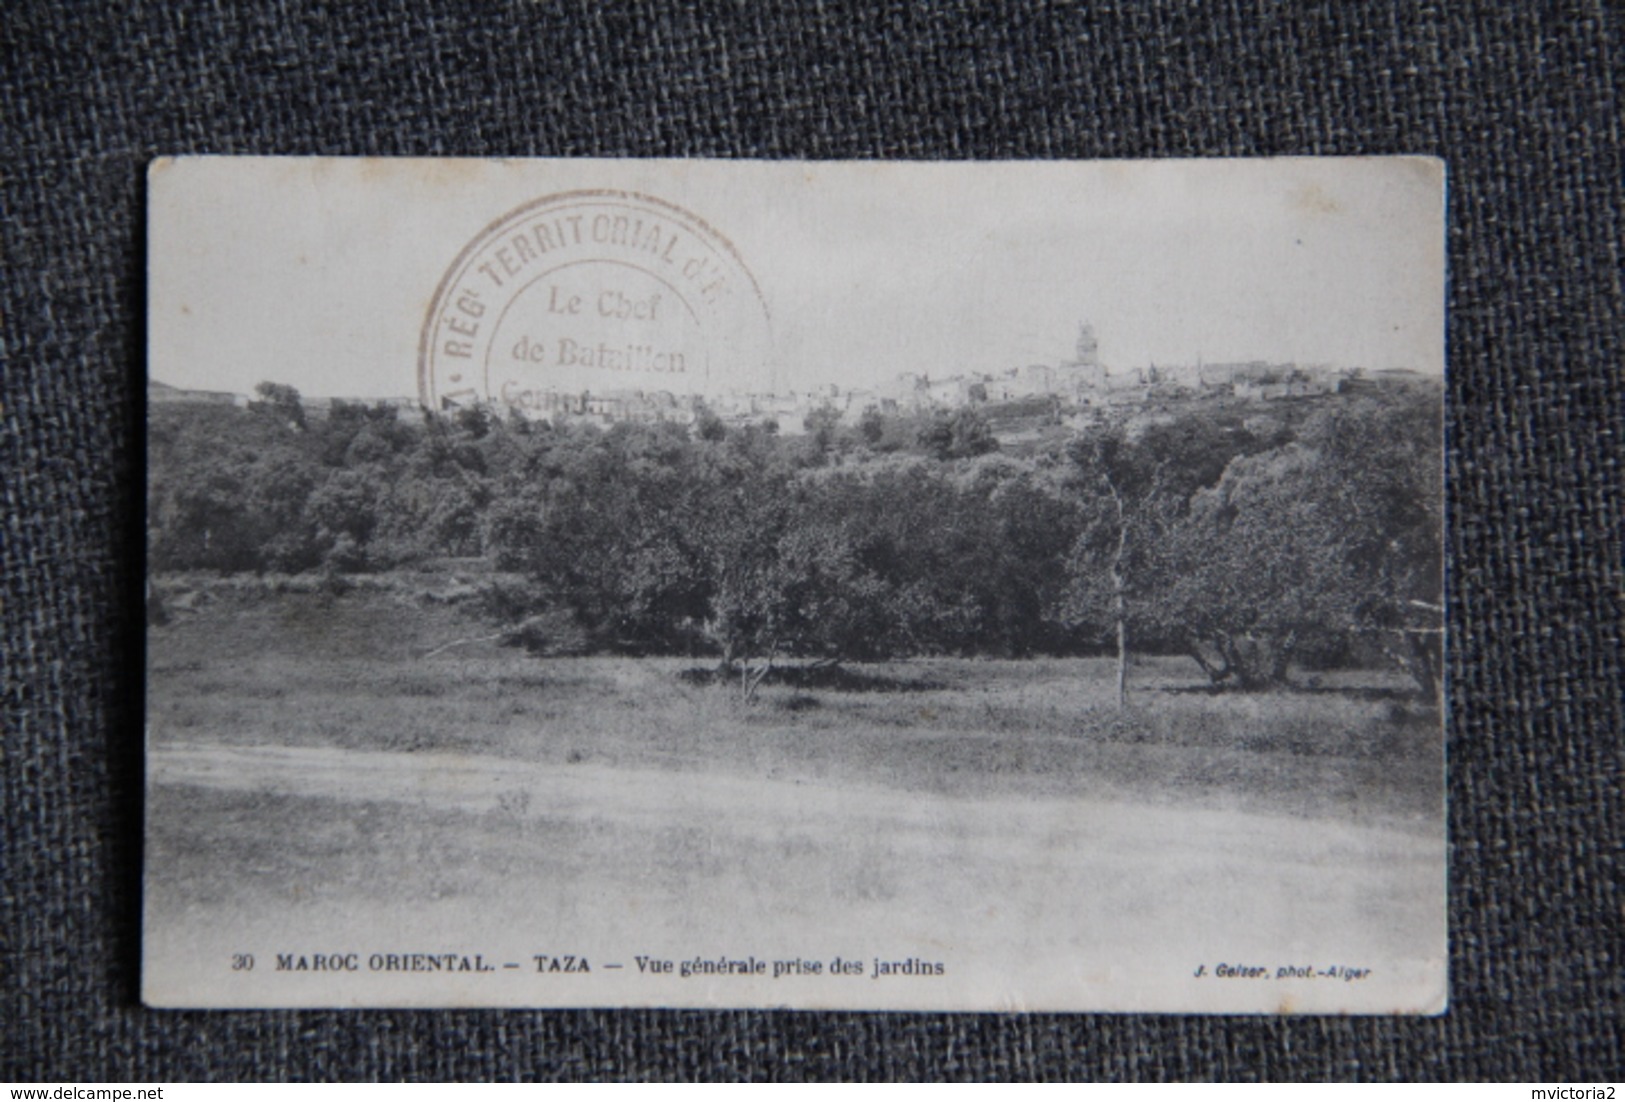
(1216, 671)
(751, 679)
(1120, 603)
(1425, 653)
(1122, 651)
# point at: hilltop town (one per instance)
(1079, 390)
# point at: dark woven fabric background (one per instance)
(1522, 99)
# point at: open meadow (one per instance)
(318, 786)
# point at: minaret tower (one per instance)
(1088, 347)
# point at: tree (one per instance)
(1123, 480)
(1033, 522)
(280, 401)
(278, 488)
(736, 518)
(1332, 535)
(1135, 492)
(611, 535)
(197, 462)
(475, 421)
(1256, 570)
(820, 424)
(871, 426)
(708, 426)
(1382, 458)
(344, 508)
(957, 435)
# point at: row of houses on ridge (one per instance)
(1080, 385)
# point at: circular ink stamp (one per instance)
(589, 293)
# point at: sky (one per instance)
(319, 273)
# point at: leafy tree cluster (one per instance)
(659, 540)
(270, 489)
(1249, 543)
(1250, 551)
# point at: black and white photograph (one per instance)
(957, 586)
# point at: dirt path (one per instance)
(1027, 900)
(478, 783)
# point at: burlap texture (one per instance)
(1522, 100)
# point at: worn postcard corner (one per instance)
(961, 586)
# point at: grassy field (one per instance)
(312, 770)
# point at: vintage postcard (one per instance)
(973, 587)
